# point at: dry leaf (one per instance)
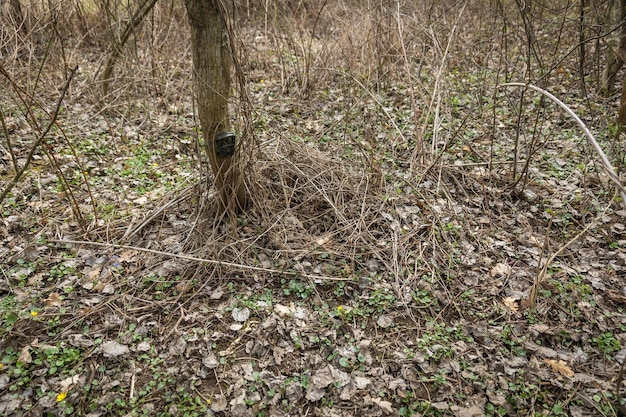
(113, 349)
(322, 241)
(67, 383)
(500, 270)
(616, 297)
(384, 321)
(94, 274)
(240, 314)
(183, 287)
(385, 406)
(560, 367)
(127, 256)
(283, 311)
(25, 356)
(511, 303)
(53, 300)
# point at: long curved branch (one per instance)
(603, 158)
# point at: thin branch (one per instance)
(603, 158)
(199, 260)
(6, 132)
(118, 47)
(42, 135)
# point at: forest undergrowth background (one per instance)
(421, 240)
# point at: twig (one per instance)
(620, 376)
(135, 20)
(132, 383)
(5, 130)
(134, 228)
(199, 260)
(42, 135)
(603, 158)
(544, 270)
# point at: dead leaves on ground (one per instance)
(511, 304)
(559, 367)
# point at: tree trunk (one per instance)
(581, 48)
(211, 74)
(621, 118)
(615, 58)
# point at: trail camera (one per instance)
(225, 144)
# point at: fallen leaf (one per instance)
(210, 360)
(282, 310)
(500, 270)
(511, 304)
(143, 347)
(108, 289)
(128, 256)
(361, 382)
(80, 340)
(384, 321)
(53, 300)
(183, 287)
(240, 314)
(385, 406)
(560, 367)
(314, 394)
(441, 405)
(25, 356)
(94, 274)
(219, 403)
(616, 297)
(112, 349)
(322, 241)
(322, 378)
(68, 382)
(471, 411)
(217, 294)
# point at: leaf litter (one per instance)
(376, 291)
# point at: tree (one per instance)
(615, 54)
(211, 74)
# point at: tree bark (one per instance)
(621, 118)
(615, 58)
(211, 74)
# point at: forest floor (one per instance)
(365, 279)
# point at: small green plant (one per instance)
(424, 298)
(61, 270)
(412, 407)
(607, 343)
(491, 410)
(508, 338)
(381, 299)
(23, 366)
(436, 341)
(8, 313)
(339, 290)
(297, 288)
(23, 271)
